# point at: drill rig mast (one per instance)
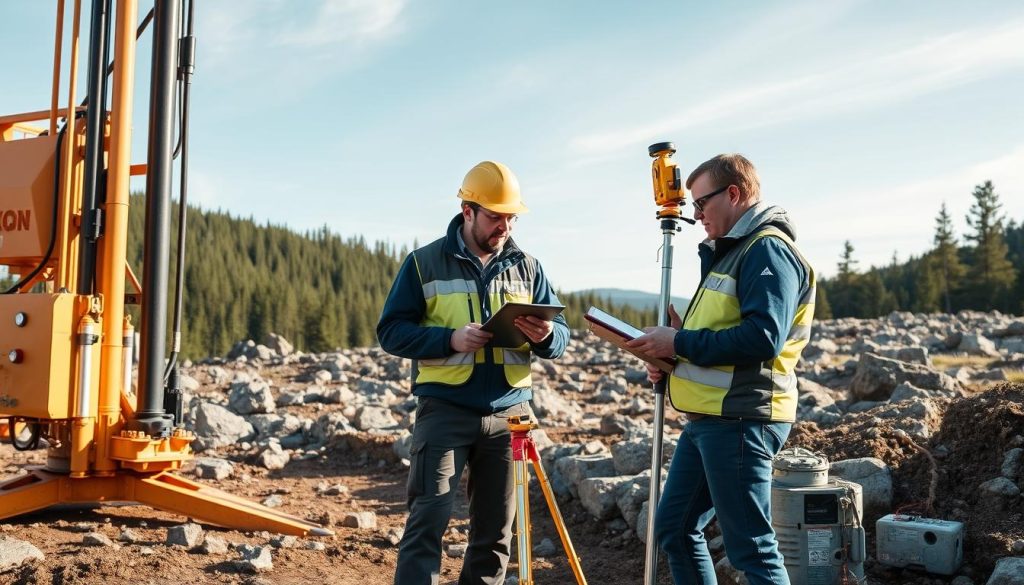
(65, 367)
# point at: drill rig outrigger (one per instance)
(65, 368)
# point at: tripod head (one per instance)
(521, 424)
(669, 194)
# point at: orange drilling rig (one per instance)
(66, 340)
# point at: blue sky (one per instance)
(363, 115)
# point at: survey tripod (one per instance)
(670, 196)
(523, 449)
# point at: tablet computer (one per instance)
(502, 323)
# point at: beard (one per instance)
(489, 242)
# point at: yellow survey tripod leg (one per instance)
(523, 448)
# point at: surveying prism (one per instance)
(669, 196)
(523, 449)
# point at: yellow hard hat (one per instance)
(493, 186)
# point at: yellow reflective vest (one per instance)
(452, 296)
(765, 391)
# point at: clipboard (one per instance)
(618, 332)
(502, 325)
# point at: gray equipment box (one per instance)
(937, 546)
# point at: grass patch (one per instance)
(952, 361)
(1015, 375)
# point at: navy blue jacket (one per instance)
(400, 333)
(767, 303)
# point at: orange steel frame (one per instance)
(87, 402)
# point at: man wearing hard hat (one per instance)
(465, 388)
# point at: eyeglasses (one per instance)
(699, 204)
(498, 217)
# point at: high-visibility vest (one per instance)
(451, 292)
(765, 391)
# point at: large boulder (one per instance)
(876, 377)
(599, 495)
(219, 427)
(251, 397)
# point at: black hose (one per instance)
(53, 224)
(186, 66)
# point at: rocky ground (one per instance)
(926, 412)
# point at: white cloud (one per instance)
(901, 217)
(261, 35)
(344, 21)
(870, 81)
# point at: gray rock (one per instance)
(130, 536)
(632, 496)
(186, 535)
(1000, 487)
(873, 475)
(254, 559)
(220, 426)
(97, 539)
(278, 344)
(330, 425)
(360, 520)
(1008, 571)
(641, 521)
(394, 536)
(729, 574)
(1012, 463)
(251, 397)
(576, 468)
(877, 376)
(631, 457)
(550, 405)
(275, 425)
(214, 468)
(913, 355)
(975, 344)
(456, 551)
(284, 541)
(15, 553)
(213, 545)
(907, 391)
(273, 457)
(993, 375)
(598, 495)
(370, 418)
(403, 445)
(291, 397)
(546, 548)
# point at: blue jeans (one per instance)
(722, 467)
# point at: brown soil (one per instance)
(974, 431)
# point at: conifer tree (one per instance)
(992, 275)
(842, 293)
(945, 259)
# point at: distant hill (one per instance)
(635, 298)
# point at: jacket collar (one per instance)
(760, 215)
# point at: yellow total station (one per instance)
(669, 193)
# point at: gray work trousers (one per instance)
(446, 438)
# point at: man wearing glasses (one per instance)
(466, 389)
(736, 351)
